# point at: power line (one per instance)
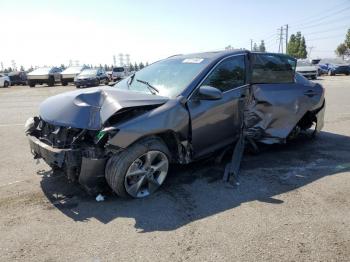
(325, 31)
(322, 38)
(333, 21)
(324, 17)
(312, 17)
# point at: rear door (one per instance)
(279, 102)
(216, 123)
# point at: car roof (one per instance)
(218, 55)
(213, 55)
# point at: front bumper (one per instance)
(308, 73)
(85, 82)
(89, 170)
(320, 116)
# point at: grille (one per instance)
(57, 136)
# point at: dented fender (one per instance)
(170, 117)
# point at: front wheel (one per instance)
(51, 81)
(139, 170)
(6, 84)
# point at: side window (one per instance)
(272, 69)
(228, 74)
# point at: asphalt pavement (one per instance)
(292, 204)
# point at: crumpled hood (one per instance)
(90, 109)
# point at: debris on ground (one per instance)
(100, 198)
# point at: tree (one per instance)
(297, 46)
(63, 66)
(136, 67)
(342, 50)
(131, 67)
(141, 65)
(255, 47)
(292, 48)
(22, 68)
(347, 39)
(106, 67)
(302, 49)
(147, 64)
(262, 47)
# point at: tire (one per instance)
(347, 73)
(77, 86)
(97, 82)
(313, 77)
(6, 84)
(64, 83)
(119, 165)
(51, 81)
(331, 73)
(31, 84)
(106, 82)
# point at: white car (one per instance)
(118, 73)
(47, 75)
(68, 75)
(4, 80)
(307, 69)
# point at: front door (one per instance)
(216, 123)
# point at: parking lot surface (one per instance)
(293, 203)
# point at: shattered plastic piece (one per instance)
(100, 198)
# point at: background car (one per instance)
(18, 78)
(91, 77)
(334, 67)
(307, 69)
(68, 75)
(47, 75)
(118, 73)
(4, 80)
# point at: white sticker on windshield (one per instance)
(193, 60)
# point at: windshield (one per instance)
(43, 70)
(118, 69)
(88, 72)
(170, 76)
(72, 70)
(304, 63)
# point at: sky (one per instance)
(41, 32)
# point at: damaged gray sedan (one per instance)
(177, 110)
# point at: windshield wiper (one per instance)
(129, 82)
(151, 88)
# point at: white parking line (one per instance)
(11, 183)
(8, 125)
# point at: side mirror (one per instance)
(209, 93)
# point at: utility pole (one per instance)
(14, 67)
(286, 38)
(127, 58)
(280, 46)
(251, 44)
(114, 60)
(310, 49)
(2, 67)
(121, 59)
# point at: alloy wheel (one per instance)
(146, 174)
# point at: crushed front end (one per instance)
(79, 153)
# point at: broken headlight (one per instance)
(30, 124)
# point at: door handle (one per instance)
(310, 93)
